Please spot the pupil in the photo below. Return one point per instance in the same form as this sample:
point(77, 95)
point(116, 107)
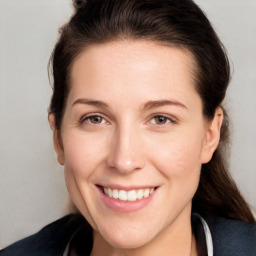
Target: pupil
point(96, 119)
point(160, 119)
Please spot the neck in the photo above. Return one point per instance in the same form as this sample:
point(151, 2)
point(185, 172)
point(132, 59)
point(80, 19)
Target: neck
point(177, 239)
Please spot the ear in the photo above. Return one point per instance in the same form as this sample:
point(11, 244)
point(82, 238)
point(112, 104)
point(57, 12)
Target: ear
point(56, 140)
point(212, 137)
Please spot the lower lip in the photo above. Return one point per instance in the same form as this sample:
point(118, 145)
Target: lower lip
point(125, 206)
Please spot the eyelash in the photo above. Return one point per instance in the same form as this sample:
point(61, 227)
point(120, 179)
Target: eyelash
point(87, 119)
point(168, 120)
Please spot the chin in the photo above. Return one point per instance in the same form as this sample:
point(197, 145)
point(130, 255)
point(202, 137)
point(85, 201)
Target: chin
point(128, 241)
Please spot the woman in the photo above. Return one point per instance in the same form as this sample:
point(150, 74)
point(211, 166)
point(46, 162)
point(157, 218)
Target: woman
point(139, 126)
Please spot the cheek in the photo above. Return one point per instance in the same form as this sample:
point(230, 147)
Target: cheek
point(76, 192)
point(178, 156)
point(181, 167)
point(82, 154)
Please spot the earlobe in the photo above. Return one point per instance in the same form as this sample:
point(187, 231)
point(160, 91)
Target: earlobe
point(212, 136)
point(57, 140)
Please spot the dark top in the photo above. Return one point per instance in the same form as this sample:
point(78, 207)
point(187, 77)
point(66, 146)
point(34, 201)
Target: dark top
point(230, 238)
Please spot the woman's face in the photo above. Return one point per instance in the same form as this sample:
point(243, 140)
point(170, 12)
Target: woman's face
point(133, 139)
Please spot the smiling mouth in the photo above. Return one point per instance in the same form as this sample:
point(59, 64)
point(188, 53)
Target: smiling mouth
point(130, 195)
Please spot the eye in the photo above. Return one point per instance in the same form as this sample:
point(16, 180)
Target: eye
point(93, 119)
point(161, 120)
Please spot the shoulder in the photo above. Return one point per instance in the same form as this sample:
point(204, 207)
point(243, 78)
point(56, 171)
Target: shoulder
point(232, 237)
point(51, 240)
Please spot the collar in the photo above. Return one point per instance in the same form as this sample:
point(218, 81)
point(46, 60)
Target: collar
point(207, 232)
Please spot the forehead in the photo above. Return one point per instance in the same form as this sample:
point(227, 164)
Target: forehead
point(126, 67)
point(135, 52)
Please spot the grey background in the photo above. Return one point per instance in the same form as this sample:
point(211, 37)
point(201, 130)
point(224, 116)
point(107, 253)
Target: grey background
point(32, 188)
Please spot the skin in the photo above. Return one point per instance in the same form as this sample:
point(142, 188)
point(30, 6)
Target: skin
point(128, 145)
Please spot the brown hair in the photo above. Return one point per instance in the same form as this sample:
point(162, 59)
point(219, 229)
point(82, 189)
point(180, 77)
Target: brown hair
point(179, 23)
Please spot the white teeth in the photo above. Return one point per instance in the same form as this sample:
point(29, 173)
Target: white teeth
point(140, 194)
point(122, 195)
point(146, 192)
point(110, 193)
point(131, 195)
point(115, 193)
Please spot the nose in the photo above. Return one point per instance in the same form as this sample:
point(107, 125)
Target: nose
point(126, 152)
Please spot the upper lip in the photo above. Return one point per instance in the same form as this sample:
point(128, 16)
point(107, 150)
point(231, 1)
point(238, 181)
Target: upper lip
point(126, 188)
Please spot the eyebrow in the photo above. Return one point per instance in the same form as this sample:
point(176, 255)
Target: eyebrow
point(95, 103)
point(159, 103)
point(147, 106)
